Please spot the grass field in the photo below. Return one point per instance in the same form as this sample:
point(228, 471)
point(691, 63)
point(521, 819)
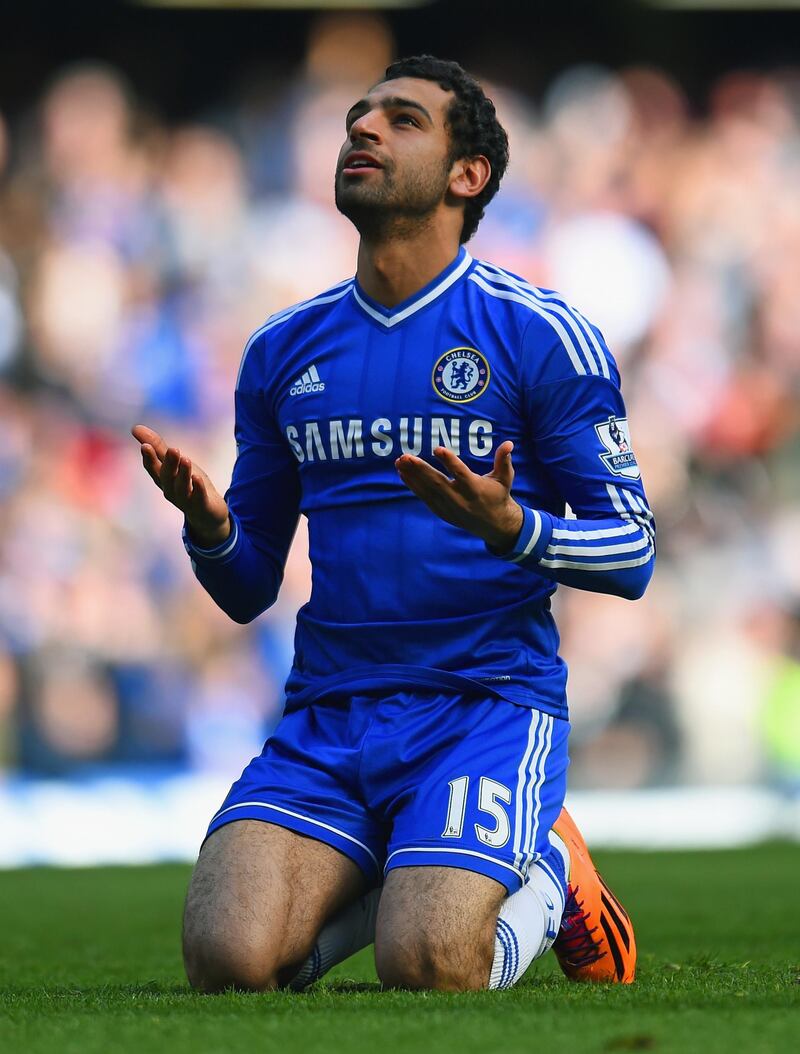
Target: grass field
point(89, 962)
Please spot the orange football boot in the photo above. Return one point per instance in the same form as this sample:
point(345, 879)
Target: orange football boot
point(595, 941)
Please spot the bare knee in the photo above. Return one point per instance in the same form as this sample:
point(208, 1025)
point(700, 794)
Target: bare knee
point(256, 902)
point(221, 951)
point(423, 963)
point(214, 962)
point(436, 929)
point(227, 943)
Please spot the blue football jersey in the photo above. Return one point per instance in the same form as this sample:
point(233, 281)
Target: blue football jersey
point(332, 390)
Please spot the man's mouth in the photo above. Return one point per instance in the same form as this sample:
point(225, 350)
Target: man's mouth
point(359, 161)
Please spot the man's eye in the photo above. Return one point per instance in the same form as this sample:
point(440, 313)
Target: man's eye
point(406, 117)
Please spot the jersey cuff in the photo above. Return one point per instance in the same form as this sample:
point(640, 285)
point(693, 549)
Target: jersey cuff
point(226, 549)
point(534, 537)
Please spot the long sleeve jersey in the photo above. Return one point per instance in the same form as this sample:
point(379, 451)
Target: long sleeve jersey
point(332, 390)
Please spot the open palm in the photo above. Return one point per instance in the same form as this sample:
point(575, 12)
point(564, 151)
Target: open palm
point(481, 504)
point(186, 485)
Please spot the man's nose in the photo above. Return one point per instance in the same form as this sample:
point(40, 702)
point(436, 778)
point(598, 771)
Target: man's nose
point(367, 126)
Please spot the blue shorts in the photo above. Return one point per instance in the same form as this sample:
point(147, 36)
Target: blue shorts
point(414, 779)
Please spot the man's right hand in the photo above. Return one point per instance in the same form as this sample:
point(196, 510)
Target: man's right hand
point(186, 486)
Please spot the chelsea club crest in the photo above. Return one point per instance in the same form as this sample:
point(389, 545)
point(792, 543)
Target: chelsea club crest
point(461, 375)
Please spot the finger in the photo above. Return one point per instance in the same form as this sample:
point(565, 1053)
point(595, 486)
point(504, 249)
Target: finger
point(183, 479)
point(199, 490)
point(420, 486)
point(456, 467)
point(172, 460)
point(169, 471)
point(420, 473)
point(153, 439)
point(436, 499)
point(503, 470)
point(151, 463)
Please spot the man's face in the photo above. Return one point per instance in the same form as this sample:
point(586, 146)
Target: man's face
point(395, 160)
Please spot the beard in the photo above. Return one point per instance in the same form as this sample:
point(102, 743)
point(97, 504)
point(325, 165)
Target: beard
point(389, 205)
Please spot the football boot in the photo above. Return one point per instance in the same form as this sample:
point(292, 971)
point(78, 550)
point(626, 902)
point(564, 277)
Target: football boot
point(595, 941)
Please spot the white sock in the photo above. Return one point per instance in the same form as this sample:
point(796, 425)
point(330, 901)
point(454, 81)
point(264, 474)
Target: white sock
point(526, 926)
point(346, 933)
point(561, 848)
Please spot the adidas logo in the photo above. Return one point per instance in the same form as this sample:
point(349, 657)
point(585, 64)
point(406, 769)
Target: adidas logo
point(309, 382)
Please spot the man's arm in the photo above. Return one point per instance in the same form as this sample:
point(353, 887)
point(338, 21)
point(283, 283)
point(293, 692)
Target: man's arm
point(238, 544)
point(583, 444)
point(610, 546)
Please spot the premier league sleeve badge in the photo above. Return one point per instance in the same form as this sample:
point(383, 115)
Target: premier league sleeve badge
point(619, 457)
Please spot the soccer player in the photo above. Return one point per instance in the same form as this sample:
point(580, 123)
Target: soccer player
point(419, 770)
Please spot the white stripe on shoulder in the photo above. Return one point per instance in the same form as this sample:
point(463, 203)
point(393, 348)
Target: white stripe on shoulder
point(554, 302)
point(527, 301)
point(602, 353)
point(293, 307)
point(327, 297)
point(336, 292)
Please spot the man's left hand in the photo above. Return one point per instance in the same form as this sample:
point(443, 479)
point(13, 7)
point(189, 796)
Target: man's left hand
point(481, 505)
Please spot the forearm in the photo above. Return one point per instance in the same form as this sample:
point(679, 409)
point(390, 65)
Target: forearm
point(241, 578)
point(611, 555)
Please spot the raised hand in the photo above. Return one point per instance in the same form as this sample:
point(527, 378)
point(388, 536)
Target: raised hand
point(186, 486)
point(481, 505)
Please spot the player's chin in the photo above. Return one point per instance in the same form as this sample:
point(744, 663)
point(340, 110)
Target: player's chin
point(352, 200)
point(354, 186)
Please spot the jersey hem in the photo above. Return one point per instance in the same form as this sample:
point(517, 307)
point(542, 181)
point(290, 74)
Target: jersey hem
point(376, 678)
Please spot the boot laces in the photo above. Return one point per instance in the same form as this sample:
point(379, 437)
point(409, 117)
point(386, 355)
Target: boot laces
point(575, 942)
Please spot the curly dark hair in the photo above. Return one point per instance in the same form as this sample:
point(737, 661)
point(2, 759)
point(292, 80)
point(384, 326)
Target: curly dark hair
point(471, 121)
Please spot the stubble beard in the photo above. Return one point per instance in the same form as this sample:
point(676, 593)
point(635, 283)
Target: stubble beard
point(385, 211)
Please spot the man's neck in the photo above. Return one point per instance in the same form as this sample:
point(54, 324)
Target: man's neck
point(392, 270)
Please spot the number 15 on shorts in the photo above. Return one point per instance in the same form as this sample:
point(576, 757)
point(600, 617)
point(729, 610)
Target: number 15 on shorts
point(492, 796)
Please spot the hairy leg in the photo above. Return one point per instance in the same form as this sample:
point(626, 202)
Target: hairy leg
point(436, 928)
point(257, 899)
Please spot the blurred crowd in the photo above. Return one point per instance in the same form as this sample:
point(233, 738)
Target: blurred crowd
point(135, 258)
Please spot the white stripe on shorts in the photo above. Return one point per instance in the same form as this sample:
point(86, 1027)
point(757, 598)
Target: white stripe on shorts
point(536, 716)
point(464, 852)
point(534, 794)
point(300, 816)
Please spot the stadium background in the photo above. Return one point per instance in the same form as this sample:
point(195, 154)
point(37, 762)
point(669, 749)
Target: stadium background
point(166, 183)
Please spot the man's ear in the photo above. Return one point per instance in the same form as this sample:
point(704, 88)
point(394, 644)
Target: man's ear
point(469, 176)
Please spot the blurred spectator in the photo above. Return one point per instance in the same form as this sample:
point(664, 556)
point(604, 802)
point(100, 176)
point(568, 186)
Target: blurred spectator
point(135, 258)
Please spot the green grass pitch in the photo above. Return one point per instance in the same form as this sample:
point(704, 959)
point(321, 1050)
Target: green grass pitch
point(89, 962)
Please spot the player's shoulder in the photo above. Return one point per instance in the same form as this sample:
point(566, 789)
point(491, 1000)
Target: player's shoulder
point(557, 341)
point(281, 327)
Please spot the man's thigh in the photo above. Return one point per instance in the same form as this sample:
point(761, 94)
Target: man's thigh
point(436, 928)
point(258, 897)
point(486, 793)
